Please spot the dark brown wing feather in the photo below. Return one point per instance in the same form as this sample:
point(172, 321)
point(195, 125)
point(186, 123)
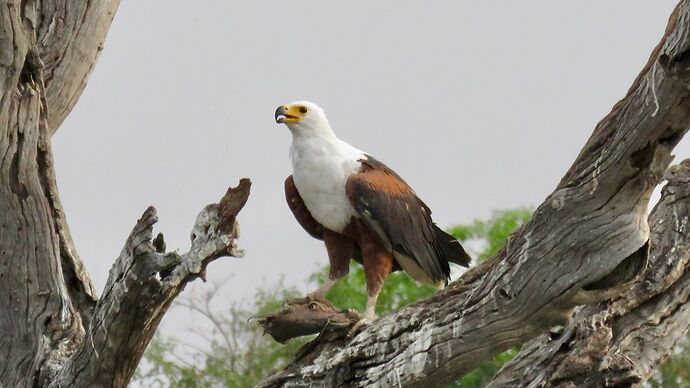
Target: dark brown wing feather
point(300, 211)
point(400, 220)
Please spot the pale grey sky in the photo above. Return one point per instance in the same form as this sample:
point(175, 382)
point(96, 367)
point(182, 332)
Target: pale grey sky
point(478, 105)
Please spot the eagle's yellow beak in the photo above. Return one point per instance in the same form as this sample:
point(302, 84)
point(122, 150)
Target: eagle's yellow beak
point(289, 114)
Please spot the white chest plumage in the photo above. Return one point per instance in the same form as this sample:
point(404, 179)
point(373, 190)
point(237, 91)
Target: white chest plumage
point(321, 167)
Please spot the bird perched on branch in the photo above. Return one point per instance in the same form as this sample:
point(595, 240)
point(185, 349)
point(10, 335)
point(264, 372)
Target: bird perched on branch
point(361, 209)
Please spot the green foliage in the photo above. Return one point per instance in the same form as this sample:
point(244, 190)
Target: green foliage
point(483, 374)
point(675, 372)
point(492, 233)
point(238, 355)
point(350, 292)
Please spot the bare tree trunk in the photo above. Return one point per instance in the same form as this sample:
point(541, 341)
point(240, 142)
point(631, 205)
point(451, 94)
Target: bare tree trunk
point(589, 242)
point(55, 331)
point(619, 343)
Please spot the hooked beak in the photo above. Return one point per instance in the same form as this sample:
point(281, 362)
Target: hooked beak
point(283, 115)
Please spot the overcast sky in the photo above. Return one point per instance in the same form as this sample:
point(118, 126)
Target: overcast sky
point(478, 105)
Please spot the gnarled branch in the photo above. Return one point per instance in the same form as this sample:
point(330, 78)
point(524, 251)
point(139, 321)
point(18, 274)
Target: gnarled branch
point(619, 343)
point(142, 284)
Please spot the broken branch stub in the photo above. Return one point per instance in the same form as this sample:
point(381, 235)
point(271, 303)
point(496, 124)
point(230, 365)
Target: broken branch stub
point(309, 316)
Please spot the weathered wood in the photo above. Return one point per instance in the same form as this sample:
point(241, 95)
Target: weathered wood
point(55, 331)
point(306, 316)
point(41, 284)
point(142, 284)
point(69, 38)
point(65, 43)
point(565, 255)
point(50, 294)
point(621, 342)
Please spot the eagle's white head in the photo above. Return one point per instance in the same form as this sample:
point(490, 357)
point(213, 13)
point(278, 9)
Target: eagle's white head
point(305, 119)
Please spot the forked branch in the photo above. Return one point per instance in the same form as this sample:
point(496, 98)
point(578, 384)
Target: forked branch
point(142, 284)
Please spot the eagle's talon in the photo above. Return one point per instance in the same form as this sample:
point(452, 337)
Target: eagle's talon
point(358, 326)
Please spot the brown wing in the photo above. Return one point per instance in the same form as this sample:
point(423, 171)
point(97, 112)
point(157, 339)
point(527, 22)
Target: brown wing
point(300, 211)
point(401, 221)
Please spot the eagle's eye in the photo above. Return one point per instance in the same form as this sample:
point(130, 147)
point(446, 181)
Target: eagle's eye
point(303, 109)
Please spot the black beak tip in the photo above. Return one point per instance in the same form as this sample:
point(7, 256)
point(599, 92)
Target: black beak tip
point(280, 114)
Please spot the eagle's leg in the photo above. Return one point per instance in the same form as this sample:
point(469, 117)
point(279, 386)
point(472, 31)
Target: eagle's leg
point(378, 264)
point(372, 298)
point(340, 250)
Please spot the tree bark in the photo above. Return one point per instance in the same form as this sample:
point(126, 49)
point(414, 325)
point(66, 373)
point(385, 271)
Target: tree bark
point(587, 243)
point(55, 330)
point(620, 342)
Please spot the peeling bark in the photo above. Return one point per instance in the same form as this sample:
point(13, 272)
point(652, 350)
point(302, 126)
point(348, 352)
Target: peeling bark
point(583, 245)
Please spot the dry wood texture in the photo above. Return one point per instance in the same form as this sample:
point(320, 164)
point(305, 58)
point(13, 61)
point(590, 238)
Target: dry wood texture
point(55, 330)
point(620, 342)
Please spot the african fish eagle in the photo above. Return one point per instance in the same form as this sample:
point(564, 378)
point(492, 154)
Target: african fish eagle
point(361, 209)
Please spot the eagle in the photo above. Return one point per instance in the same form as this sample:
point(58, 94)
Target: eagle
point(361, 209)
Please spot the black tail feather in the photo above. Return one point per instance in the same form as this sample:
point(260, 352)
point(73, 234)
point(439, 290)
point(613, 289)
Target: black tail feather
point(452, 250)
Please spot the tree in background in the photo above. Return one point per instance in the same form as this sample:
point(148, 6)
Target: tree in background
point(675, 372)
point(236, 354)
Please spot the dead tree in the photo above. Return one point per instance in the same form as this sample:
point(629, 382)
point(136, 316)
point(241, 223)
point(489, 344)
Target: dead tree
point(55, 330)
point(597, 298)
